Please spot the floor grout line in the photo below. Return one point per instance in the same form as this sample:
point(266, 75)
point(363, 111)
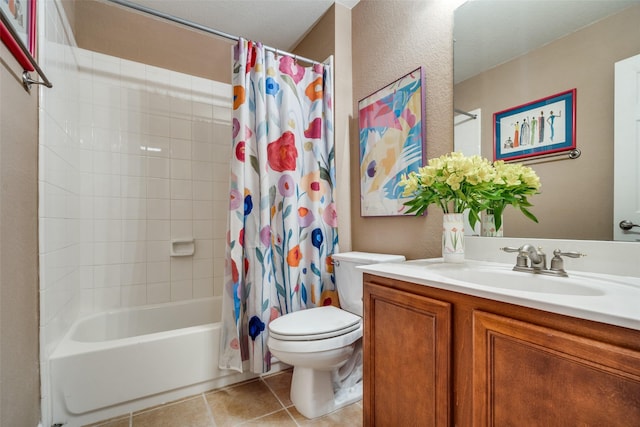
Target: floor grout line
point(209, 411)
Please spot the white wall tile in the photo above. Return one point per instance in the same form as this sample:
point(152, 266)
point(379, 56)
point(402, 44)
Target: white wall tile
point(158, 125)
point(133, 295)
point(203, 249)
point(133, 186)
point(202, 210)
point(203, 268)
point(158, 250)
point(107, 230)
point(204, 229)
point(158, 146)
point(182, 229)
point(107, 253)
point(181, 189)
point(133, 143)
point(159, 271)
point(202, 131)
point(106, 275)
point(107, 207)
point(134, 230)
point(106, 117)
point(180, 129)
point(181, 169)
point(202, 110)
point(158, 230)
point(159, 292)
point(202, 190)
point(106, 298)
point(158, 188)
point(133, 165)
point(203, 151)
point(181, 149)
point(202, 171)
point(181, 268)
point(158, 167)
point(134, 252)
point(181, 290)
point(182, 107)
point(134, 208)
point(158, 209)
point(203, 288)
point(106, 185)
point(182, 210)
point(133, 274)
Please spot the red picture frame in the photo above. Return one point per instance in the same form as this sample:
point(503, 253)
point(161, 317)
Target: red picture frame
point(14, 22)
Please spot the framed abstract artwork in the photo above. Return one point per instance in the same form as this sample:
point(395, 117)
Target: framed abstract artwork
point(538, 128)
point(392, 142)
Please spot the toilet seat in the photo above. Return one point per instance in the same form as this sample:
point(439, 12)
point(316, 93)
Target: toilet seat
point(314, 324)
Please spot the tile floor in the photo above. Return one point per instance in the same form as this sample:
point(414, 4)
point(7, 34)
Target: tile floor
point(261, 402)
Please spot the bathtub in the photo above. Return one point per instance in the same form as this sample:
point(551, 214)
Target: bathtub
point(124, 360)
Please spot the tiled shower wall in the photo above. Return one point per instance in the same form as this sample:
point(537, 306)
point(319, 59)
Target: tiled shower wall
point(154, 150)
point(131, 156)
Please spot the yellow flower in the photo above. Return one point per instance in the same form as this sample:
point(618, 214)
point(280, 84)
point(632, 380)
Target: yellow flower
point(456, 182)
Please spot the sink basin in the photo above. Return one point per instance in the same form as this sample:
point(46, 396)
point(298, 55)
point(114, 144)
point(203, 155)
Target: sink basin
point(506, 278)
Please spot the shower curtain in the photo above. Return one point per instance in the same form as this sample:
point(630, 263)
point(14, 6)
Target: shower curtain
point(282, 217)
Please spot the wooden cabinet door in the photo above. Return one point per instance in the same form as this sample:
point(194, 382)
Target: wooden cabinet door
point(525, 374)
point(407, 357)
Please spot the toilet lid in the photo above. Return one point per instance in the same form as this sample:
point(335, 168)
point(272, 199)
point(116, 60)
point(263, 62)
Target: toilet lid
point(314, 324)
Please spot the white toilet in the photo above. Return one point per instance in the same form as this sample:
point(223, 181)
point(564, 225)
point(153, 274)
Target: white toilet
point(324, 344)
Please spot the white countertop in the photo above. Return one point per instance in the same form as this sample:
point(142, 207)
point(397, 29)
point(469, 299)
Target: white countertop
point(607, 298)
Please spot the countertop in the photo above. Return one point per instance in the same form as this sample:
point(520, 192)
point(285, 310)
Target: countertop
point(607, 298)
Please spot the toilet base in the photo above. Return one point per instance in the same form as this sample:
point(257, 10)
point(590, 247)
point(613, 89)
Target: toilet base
point(315, 393)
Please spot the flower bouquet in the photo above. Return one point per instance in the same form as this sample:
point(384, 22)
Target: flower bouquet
point(453, 182)
point(456, 183)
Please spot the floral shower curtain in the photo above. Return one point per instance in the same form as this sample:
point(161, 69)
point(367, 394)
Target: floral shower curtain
point(282, 218)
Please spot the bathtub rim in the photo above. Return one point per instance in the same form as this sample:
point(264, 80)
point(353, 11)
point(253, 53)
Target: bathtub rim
point(69, 346)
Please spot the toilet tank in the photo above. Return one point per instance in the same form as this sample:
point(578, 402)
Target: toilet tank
point(349, 278)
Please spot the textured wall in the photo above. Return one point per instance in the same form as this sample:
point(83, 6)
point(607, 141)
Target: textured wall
point(391, 38)
point(119, 32)
point(332, 36)
point(583, 60)
point(19, 381)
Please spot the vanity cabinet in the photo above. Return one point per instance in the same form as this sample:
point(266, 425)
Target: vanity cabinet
point(433, 357)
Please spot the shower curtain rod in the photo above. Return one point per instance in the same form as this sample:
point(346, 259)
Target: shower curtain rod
point(473, 116)
point(199, 27)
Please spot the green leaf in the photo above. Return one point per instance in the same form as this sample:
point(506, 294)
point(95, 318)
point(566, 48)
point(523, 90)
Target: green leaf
point(528, 214)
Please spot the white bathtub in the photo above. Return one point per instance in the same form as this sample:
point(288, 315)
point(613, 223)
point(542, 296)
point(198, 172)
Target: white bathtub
point(124, 360)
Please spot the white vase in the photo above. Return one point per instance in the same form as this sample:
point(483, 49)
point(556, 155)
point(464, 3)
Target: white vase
point(453, 238)
point(489, 226)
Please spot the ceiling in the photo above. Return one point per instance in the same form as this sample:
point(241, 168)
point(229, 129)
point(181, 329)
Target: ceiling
point(488, 33)
point(279, 24)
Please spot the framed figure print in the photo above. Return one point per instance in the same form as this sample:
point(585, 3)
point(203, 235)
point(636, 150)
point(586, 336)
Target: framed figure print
point(540, 127)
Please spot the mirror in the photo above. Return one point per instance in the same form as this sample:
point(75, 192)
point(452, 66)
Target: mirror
point(510, 53)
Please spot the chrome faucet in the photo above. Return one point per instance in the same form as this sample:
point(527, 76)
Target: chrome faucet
point(539, 260)
point(529, 252)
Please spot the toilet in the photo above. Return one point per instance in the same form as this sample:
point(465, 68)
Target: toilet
point(324, 344)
